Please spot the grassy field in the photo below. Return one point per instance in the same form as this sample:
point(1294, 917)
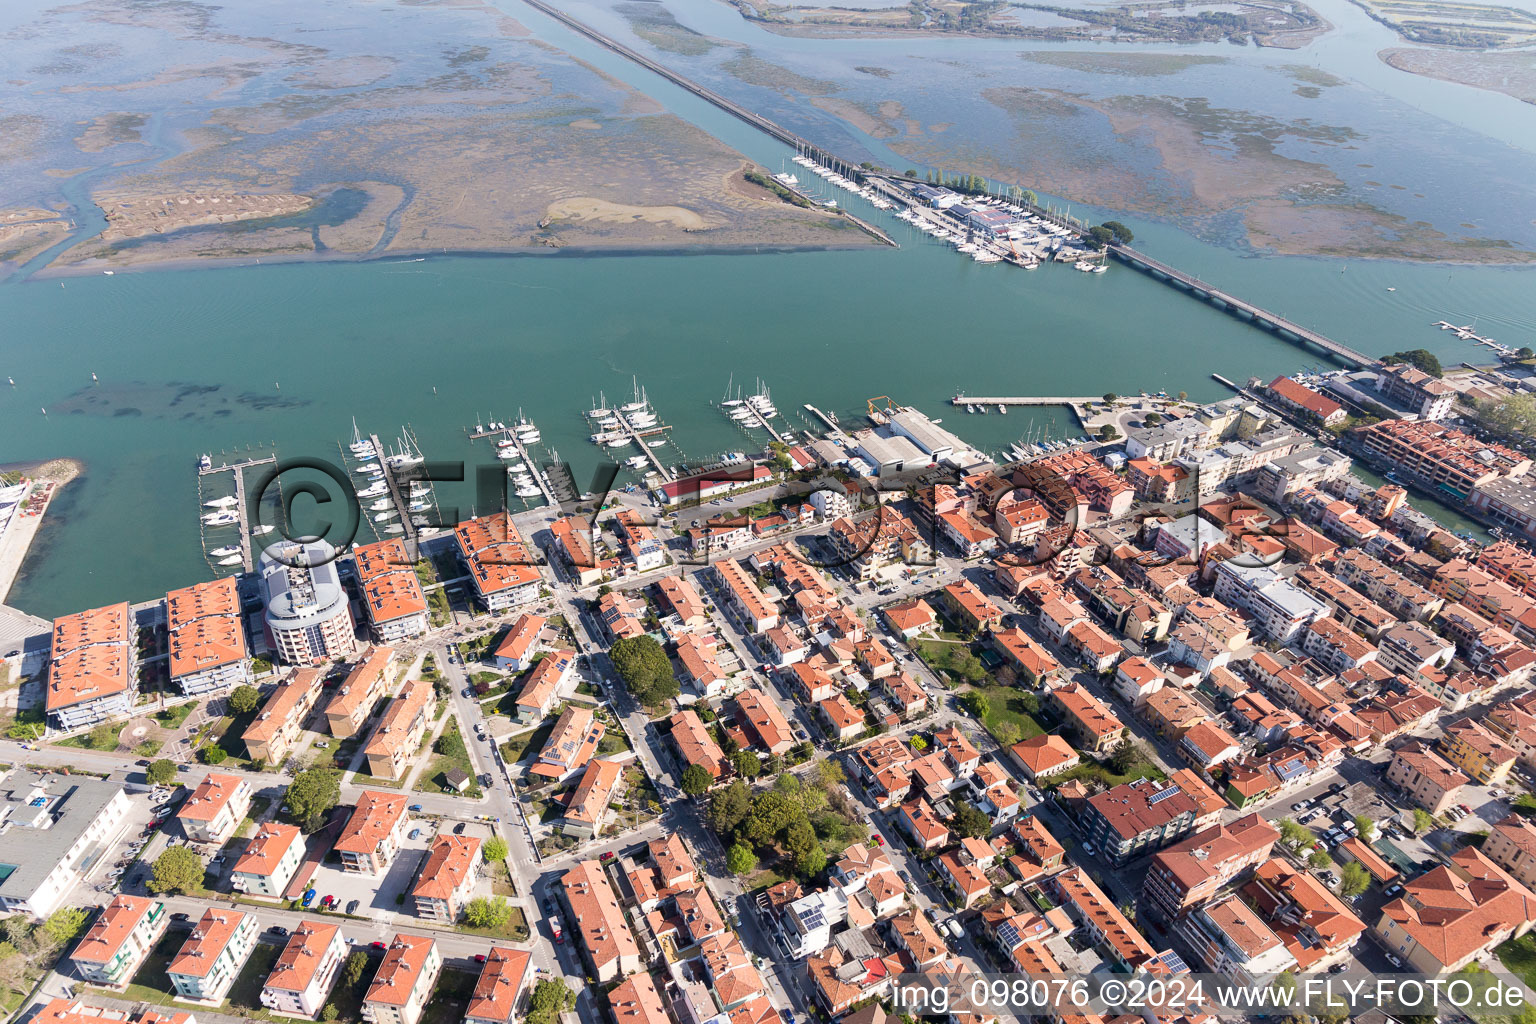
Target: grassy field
point(96, 739)
point(1519, 955)
point(172, 718)
point(451, 754)
point(1007, 705)
point(516, 928)
point(1090, 771)
point(515, 748)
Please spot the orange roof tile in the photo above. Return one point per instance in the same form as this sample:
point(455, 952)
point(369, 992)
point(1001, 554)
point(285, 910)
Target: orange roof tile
point(499, 985)
point(448, 864)
point(398, 974)
point(208, 939)
point(374, 817)
point(302, 956)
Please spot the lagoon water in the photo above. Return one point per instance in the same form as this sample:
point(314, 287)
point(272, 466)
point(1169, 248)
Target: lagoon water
point(218, 358)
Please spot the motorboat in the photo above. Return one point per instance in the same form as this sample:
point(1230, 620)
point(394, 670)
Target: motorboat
point(531, 437)
point(517, 468)
point(419, 520)
point(656, 443)
point(225, 518)
point(636, 462)
point(232, 560)
point(527, 492)
point(204, 461)
point(418, 506)
point(427, 531)
point(373, 490)
point(394, 528)
point(225, 502)
point(382, 516)
point(508, 454)
point(506, 443)
point(618, 442)
point(225, 551)
point(262, 530)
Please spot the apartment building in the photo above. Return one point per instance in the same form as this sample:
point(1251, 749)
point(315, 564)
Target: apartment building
point(271, 735)
point(207, 964)
point(518, 647)
point(1439, 457)
point(501, 566)
point(679, 594)
point(373, 833)
point(305, 970)
point(119, 940)
point(93, 673)
point(1308, 403)
point(1386, 586)
point(588, 804)
point(308, 614)
point(1138, 816)
point(1315, 925)
point(206, 640)
point(571, 744)
point(1230, 938)
point(1428, 779)
point(607, 945)
point(764, 722)
point(1413, 389)
point(972, 609)
point(694, 743)
point(396, 738)
point(73, 1011)
point(497, 998)
point(1335, 647)
point(1511, 565)
point(1092, 724)
point(359, 692)
point(743, 597)
point(1099, 919)
point(404, 980)
point(1413, 649)
point(215, 808)
point(1455, 913)
point(1280, 610)
point(1510, 503)
point(269, 861)
point(54, 827)
point(1471, 747)
point(640, 543)
point(393, 599)
point(542, 688)
point(1193, 870)
point(446, 881)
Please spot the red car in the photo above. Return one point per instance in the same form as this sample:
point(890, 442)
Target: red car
point(607, 856)
point(378, 945)
point(479, 958)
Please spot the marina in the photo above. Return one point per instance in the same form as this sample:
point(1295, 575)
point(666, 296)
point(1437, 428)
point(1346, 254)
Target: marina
point(230, 511)
point(1468, 332)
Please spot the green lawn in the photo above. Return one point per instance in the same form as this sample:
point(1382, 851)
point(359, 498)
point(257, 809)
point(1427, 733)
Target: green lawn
point(172, 718)
point(1519, 955)
point(88, 740)
point(514, 748)
point(1090, 771)
point(452, 754)
point(1006, 704)
point(450, 998)
point(516, 928)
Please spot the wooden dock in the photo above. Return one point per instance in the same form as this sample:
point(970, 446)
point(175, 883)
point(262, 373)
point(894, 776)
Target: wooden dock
point(247, 555)
point(402, 503)
point(964, 400)
point(639, 439)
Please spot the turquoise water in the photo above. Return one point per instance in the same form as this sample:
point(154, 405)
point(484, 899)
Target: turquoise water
point(216, 359)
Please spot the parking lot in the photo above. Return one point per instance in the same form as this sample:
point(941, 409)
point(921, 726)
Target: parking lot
point(380, 897)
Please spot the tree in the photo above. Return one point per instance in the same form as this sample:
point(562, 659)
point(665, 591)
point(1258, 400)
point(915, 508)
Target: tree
point(1110, 398)
point(1319, 859)
point(1125, 758)
point(1153, 418)
point(178, 869)
point(1108, 432)
point(1120, 231)
point(810, 863)
point(696, 779)
point(729, 807)
point(357, 963)
point(244, 698)
point(1293, 835)
point(103, 737)
point(64, 925)
point(1101, 236)
point(213, 754)
point(747, 764)
point(1354, 880)
point(970, 821)
point(160, 772)
point(1183, 396)
point(1007, 733)
point(495, 849)
point(773, 764)
point(829, 773)
point(487, 911)
point(1422, 821)
point(976, 703)
point(740, 860)
point(330, 1012)
point(1419, 358)
point(1029, 703)
point(550, 999)
point(645, 669)
point(312, 795)
point(1365, 826)
point(1524, 352)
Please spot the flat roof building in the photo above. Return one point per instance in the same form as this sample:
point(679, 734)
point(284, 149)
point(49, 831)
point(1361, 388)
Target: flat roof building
point(308, 615)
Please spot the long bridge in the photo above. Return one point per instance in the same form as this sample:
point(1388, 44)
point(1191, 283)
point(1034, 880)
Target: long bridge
point(1259, 316)
point(1256, 315)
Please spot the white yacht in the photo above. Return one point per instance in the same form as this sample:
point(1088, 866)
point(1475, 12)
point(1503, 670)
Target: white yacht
point(656, 443)
point(618, 442)
point(636, 462)
point(394, 528)
point(509, 454)
point(528, 437)
point(225, 551)
point(225, 518)
point(528, 491)
point(373, 490)
point(382, 516)
point(225, 502)
point(231, 560)
point(262, 530)
point(516, 468)
point(427, 531)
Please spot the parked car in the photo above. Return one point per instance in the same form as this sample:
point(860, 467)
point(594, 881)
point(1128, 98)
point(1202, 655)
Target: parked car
point(1393, 891)
point(415, 807)
point(181, 917)
point(1394, 961)
point(458, 829)
point(377, 945)
point(277, 929)
point(308, 898)
point(415, 834)
point(352, 907)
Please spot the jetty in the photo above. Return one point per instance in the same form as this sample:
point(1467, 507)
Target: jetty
point(963, 400)
point(638, 437)
point(247, 558)
point(402, 506)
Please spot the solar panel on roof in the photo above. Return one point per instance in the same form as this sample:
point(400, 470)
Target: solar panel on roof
point(1161, 795)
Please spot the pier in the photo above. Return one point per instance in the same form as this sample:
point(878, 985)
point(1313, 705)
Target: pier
point(247, 558)
point(402, 506)
point(638, 437)
point(963, 400)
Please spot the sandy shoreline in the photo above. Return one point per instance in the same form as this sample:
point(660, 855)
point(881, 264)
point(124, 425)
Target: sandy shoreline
point(17, 540)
